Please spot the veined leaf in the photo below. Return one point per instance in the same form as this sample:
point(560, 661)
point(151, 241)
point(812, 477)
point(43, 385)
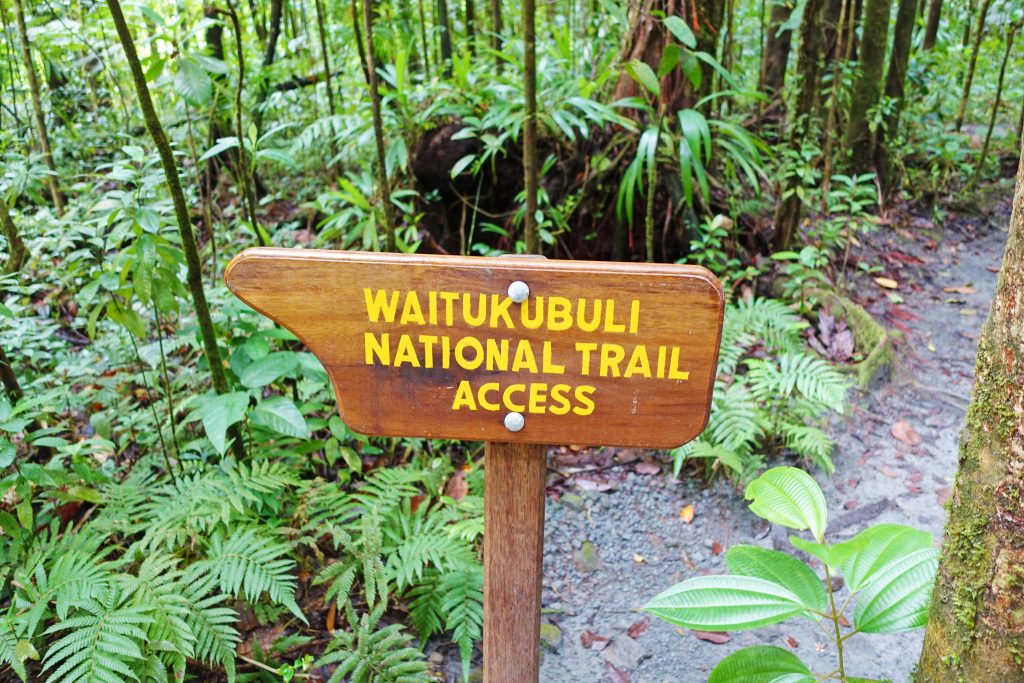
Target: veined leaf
point(644, 75)
point(780, 568)
point(790, 497)
point(898, 598)
point(725, 603)
point(761, 664)
point(682, 32)
point(882, 546)
point(219, 412)
point(281, 415)
point(267, 369)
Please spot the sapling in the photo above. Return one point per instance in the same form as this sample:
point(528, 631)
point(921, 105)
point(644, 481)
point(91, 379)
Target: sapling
point(888, 569)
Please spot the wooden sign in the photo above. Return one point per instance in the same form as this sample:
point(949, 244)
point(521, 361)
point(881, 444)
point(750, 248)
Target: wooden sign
point(500, 349)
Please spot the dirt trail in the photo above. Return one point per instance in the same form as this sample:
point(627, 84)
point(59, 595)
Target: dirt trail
point(594, 578)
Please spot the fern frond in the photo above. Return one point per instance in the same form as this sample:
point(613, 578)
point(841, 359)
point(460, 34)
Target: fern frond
point(809, 442)
point(9, 654)
point(425, 606)
point(367, 654)
point(75, 573)
point(103, 642)
point(735, 423)
point(463, 604)
point(250, 563)
point(813, 377)
point(212, 624)
point(437, 549)
point(158, 586)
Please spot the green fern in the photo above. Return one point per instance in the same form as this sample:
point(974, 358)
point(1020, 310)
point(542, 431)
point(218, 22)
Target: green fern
point(368, 654)
point(809, 442)
point(813, 377)
point(463, 604)
point(9, 646)
point(213, 626)
point(104, 642)
point(249, 564)
point(158, 587)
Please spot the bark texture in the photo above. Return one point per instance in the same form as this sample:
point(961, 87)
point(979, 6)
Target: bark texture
point(931, 26)
point(378, 129)
point(530, 167)
point(979, 34)
point(808, 66)
point(868, 85)
point(17, 254)
point(895, 81)
point(976, 626)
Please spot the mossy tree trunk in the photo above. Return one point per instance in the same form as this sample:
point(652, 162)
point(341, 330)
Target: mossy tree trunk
point(373, 84)
point(867, 87)
point(37, 110)
point(496, 27)
point(17, 254)
point(531, 169)
point(976, 626)
point(776, 54)
point(931, 25)
point(790, 207)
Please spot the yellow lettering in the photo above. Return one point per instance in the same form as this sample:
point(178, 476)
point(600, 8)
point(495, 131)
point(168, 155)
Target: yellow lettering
point(432, 306)
point(634, 316)
point(464, 397)
point(550, 367)
point(449, 299)
point(585, 348)
point(482, 396)
point(581, 315)
point(377, 303)
point(405, 352)
point(524, 358)
point(428, 341)
point(661, 362)
point(411, 311)
point(497, 355)
point(460, 353)
point(499, 309)
point(506, 397)
point(559, 314)
point(532, 323)
point(674, 372)
point(609, 319)
point(446, 352)
point(379, 348)
point(583, 394)
point(467, 312)
point(639, 363)
point(611, 356)
point(558, 395)
point(538, 398)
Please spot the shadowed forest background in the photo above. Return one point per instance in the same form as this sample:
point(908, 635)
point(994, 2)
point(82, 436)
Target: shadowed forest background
point(179, 498)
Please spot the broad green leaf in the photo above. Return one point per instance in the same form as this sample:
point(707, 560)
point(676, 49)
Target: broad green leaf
point(790, 497)
point(725, 603)
point(682, 32)
point(898, 598)
point(193, 82)
point(7, 452)
point(881, 546)
point(223, 144)
point(832, 555)
point(761, 664)
point(5, 312)
point(218, 412)
point(780, 568)
point(281, 415)
point(644, 75)
point(265, 370)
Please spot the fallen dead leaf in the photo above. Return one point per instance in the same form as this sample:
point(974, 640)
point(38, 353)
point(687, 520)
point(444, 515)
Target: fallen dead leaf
point(902, 431)
point(792, 642)
point(844, 622)
point(942, 494)
point(457, 487)
point(993, 269)
point(892, 474)
point(639, 627)
point(713, 637)
point(638, 558)
point(686, 514)
point(887, 282)
point(716, 548)
point(962, 289)
point(598, 484)
point(592, 641)
point(331, 614)
point(968, 311)
point(850, 504)
point(647, 467)
point(616, 674)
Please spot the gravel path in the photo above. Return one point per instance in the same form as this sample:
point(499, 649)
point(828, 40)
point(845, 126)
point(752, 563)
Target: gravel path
point(608, 552)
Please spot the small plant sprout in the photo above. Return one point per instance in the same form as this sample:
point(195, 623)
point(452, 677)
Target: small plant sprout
point(888, 571)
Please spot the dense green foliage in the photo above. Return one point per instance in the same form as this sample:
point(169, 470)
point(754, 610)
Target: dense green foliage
point(173, 474)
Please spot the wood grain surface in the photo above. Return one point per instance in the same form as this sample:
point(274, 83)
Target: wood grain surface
point(615, 354)
point(514, 476)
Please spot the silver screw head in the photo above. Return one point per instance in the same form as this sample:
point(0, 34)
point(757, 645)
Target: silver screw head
point(514, 422)
point(519, 291)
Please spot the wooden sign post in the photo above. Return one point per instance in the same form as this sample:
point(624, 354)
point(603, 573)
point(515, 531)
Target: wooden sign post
point(518, 353)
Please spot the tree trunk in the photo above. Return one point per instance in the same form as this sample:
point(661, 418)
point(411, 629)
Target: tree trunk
point(471, 26)
point(530, 168)
point(1011, 33)
point(445, 24)
point(496, 26)
point(378, 129)
point(868, 85)
point(776, 50)
point(979, 34)
point(790, 206)
point(276, 13)
point(975, 627)
point(11, 73)
point(9, 379)
point(17, 254)
point(931, 26)
point(895, 80)
point(37, 110)
point(194, 277)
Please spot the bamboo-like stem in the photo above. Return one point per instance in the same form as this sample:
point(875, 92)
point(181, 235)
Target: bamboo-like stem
point(979, 34)
point(530, 170)
point(378, 129)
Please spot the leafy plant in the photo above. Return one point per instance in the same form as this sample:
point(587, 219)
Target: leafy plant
point(888, 570)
